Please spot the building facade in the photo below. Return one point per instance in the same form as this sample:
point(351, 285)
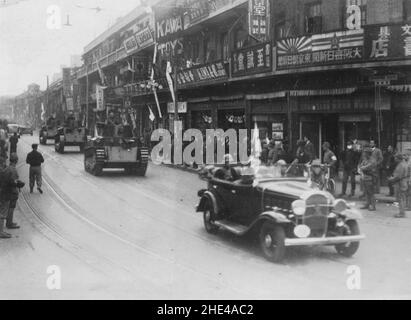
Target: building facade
point(333, 70)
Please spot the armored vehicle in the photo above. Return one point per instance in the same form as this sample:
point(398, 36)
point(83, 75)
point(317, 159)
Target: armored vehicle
point(71, 134)
point(115, 147)
point(48, 131)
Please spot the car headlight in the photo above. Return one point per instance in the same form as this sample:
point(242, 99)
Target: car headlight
point(299, 207)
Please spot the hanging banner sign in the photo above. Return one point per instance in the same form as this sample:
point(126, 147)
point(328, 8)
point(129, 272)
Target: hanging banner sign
point(321, 49)
point(100, 98)
point(257, 59)
point(388, 42)
point(210, 71)
point(144, 38)
point(259, 18)
point(139, 40)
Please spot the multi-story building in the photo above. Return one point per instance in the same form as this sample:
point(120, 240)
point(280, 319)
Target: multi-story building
point(332, 70)
point(120, 62)
point(27, 106)
point(62, 97)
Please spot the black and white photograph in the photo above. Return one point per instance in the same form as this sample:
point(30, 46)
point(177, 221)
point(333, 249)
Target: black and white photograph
point(207, 150)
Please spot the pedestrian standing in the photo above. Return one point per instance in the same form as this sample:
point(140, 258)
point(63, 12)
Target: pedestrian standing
point(350, 159)
point(12, 191)
point(378, 157)
point(35, 160)
point(330, 159)
point(400, 181)
point(3, 149)
point(309, 148)
point(13, 141)
point(389, 166)
point(368, 171)
point(6, 183)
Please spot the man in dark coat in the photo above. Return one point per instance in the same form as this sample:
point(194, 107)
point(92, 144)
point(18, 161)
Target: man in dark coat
point(389, 165)
point(350, 159)
point(368, 171)
point(400, 181)
point(378, 158)
point(13, 141)
point(35, 160)
point(309, 149)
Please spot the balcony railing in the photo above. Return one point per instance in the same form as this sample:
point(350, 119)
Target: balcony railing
point(104, 62)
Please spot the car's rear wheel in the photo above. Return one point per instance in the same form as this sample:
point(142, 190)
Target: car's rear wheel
point(208, 217)
point(272, 241)
point(350, 248)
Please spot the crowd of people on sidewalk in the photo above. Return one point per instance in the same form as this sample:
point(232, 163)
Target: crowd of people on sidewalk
point(357, 159)
point(10, 184)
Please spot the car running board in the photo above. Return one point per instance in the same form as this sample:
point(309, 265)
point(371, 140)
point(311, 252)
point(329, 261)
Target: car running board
point(237, 229)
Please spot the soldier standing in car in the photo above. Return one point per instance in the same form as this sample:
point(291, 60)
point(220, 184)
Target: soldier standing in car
point(368, 171)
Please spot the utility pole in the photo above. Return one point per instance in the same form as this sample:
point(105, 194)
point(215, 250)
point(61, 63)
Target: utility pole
point(47, 98)
point(87, 102)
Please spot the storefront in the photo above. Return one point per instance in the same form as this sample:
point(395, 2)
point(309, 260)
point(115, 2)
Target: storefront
point(269, 113)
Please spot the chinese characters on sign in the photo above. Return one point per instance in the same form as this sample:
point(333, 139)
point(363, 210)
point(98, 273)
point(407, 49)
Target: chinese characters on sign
point(196, 11)
point(332, 48)
point(259, 18)
point(252, 60)
point(388, 42)
point(139, 40)
point(100, 98)
point(212, 71)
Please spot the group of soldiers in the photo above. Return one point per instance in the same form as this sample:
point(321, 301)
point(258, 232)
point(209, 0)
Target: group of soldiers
point(10, 184)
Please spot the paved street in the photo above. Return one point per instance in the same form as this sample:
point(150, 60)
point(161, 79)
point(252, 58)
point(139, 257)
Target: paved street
point(117, 236)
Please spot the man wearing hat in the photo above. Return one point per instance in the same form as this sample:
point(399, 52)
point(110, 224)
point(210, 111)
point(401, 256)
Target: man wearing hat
point(350, 159)
point(368, 171)
point(35, 160)
point(12, 190)
point(400, 181)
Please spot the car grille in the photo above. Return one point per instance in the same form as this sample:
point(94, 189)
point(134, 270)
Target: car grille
point(316, 215)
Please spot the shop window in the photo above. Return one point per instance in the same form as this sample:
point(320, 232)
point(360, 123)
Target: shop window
point(313, 18)
point(240, 38)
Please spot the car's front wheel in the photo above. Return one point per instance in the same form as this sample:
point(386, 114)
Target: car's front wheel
point(208, 217)
point(272, 241)
point(350, 248)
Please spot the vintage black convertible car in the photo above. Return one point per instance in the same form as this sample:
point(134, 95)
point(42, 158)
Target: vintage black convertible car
point(280, 207)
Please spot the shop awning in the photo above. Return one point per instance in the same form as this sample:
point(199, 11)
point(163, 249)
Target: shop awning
point(302, 93)
point(323, 92)
point(400, 88)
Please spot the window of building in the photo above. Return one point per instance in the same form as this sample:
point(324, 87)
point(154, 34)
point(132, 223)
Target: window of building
point(362, 4)
point(313, 18)
point(224, 46)
point(240, 38)
point(280, 27)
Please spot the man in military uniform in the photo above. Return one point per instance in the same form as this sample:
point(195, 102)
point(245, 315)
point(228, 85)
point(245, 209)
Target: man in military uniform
point(330, 159)
point(368, 170)
point(378, 158)
point(12, 190)
point(400, 181)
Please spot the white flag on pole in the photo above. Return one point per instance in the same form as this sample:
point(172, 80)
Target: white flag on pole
point(151, 116)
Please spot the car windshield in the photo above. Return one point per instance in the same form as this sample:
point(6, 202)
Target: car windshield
point(262, 172)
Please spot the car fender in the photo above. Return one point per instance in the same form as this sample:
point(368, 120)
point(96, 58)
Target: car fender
point(352, 214)
point(278, 217)
point(208, 196)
